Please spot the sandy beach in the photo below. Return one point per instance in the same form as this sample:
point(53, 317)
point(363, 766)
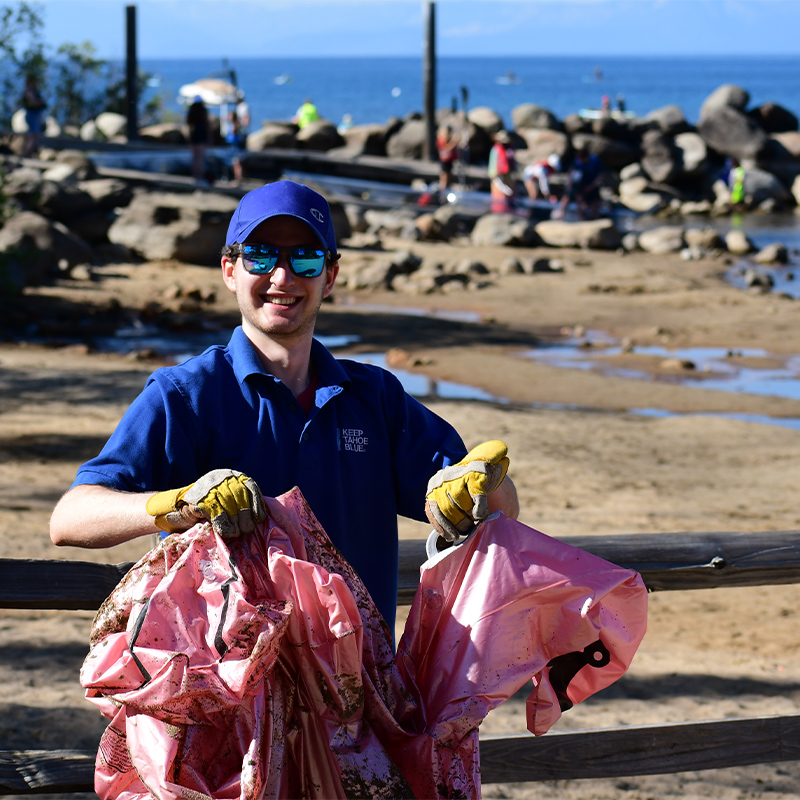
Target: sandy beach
point(583, 462)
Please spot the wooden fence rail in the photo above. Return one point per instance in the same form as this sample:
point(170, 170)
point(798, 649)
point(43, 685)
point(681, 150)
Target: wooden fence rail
point(667, 562)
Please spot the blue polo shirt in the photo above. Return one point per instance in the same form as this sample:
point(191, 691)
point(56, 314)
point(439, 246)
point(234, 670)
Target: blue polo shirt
point(362, 456)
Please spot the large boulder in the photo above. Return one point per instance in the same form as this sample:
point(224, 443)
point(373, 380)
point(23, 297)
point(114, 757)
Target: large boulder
point(272, 135)
point(163, 132)
point(529, 115)
point(596, 234)
point(725, 96)
point(664, 239)
point(161, 225)
point(36, 248)
point(661, 159)
point(669, 120)
point(320, 135)
point(774, 118)
point(542, 142)
point(485, 118)
point(504, 230)
point(638, 194)
point(366, 140)
point(693, 153)
point(732, 133)
point(760, 185)
point(111, 124)
point(408, 141)
point(613, 154)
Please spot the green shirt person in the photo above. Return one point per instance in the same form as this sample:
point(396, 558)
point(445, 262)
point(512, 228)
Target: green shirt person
point(306, 113)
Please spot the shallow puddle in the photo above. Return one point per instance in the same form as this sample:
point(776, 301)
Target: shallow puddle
point(747, 371)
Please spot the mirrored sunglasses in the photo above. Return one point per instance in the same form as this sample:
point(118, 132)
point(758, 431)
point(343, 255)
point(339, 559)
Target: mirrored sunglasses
point(261, 259)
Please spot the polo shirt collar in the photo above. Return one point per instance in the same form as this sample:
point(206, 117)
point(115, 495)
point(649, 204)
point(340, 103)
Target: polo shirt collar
point(245, 361)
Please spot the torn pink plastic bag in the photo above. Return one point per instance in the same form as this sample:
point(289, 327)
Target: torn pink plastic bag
point(259, 667)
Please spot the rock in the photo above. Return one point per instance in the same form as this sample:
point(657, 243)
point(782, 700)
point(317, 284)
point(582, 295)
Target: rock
point(707, 238)
point(455, 221)
point(772, 254)
point(23, 184)
point(35, 245)
point(189, 228)
point(774, 118)
point(760, 186)
point(510, 266)
point(486, 119)
point(754, 279)
point(163, 132)
point(597, 234)
point(661, 160)
point(542, 143)
point(677, 364)
point(639, 195)
point(613, 154)
point(390, 223)
point(90, 133)
point(669, 120)
point(62, 201)
point(272, 135)
point(366, 140)
point(107, 193)
point(529, 115)
point(320, 135)
point(732, 133)
point(82, 165)
point(504, 230)
point(408, 142)
point(737, 242)
point(111, 124)
point(693, 154)
point(725, 96)
point(664, 239)
point(789, 142)
point(630, 242)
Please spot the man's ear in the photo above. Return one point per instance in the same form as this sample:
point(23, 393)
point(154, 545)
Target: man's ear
point(331, 271)
point(229, 272)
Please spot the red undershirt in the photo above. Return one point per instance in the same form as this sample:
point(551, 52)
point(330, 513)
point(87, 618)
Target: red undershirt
point(307, 396)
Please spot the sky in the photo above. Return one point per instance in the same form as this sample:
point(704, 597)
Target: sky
point(260, 28)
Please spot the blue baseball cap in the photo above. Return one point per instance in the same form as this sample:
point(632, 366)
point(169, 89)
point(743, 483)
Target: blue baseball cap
point(282, 198)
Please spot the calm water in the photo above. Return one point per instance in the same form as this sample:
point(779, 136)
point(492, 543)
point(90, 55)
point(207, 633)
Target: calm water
point(375, 89)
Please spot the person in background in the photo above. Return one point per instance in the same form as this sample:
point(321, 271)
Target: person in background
point(243, 115)
point(583, 187)
point(34, 105)
point(273, 409)
point(199, 136)
point(305, 114)
point(345, 124)
point(735, 182)
point(605, 106)
point(447, 149)
point(235, 141)
point(536, 178)
point(502, 173)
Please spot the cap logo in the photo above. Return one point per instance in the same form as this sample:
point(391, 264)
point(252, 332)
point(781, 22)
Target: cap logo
point(318, 216)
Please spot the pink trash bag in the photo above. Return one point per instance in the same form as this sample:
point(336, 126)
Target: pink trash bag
point(259, 667)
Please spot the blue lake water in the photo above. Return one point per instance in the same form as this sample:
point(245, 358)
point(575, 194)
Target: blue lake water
point(376, 89)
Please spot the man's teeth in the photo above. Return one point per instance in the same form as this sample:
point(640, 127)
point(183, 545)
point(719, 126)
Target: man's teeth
point(282, 301)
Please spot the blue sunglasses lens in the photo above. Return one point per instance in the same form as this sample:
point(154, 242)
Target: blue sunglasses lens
point(305, 262)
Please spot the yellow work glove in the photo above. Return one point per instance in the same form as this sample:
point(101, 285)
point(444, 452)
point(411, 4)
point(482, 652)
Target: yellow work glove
point(228, 499)
point(457, 497)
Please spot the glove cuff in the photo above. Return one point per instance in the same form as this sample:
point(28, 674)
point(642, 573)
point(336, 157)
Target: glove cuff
point(163, 505)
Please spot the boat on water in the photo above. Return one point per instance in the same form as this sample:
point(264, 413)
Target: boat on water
point(218, 91)
point(508, 79)
point(599, 113)
point(282, 79)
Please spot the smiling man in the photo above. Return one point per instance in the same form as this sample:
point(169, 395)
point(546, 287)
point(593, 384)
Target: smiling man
point(273, 409)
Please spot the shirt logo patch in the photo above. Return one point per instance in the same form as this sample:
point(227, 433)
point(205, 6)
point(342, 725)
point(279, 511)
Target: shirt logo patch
point(353, 439)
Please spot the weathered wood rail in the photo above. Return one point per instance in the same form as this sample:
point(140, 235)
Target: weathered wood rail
point(667, 562)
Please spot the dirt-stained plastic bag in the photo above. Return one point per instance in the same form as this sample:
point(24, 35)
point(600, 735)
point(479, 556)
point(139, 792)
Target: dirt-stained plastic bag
point(259, 667)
